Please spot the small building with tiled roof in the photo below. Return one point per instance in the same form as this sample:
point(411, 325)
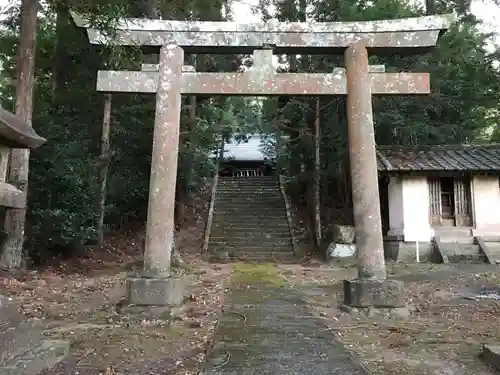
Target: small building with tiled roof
point(428, 191)
point(450, 159)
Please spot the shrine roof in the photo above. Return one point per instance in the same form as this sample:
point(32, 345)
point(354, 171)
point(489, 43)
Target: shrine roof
point(16, 133)
point(452, 158)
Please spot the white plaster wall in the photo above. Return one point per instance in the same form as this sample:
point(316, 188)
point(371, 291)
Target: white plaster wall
point(486, 205)
point(416, 209)
point(396, 211)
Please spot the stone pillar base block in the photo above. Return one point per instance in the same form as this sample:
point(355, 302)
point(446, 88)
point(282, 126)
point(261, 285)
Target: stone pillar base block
point(142, 291)
point(374, 293)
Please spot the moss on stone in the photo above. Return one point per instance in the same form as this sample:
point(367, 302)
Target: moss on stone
point(261, 273)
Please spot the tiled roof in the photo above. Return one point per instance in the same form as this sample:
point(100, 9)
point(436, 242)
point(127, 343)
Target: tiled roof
point(474, 158)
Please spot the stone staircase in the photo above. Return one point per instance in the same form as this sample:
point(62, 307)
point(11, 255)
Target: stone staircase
point(249, 220)
point(459, 245)
point(23, 349)
point(461, 250)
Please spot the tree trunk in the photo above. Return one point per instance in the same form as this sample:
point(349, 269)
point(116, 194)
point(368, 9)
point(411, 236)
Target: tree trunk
point(430, 7)
point(60, 60)
point(317, 176)
point(103, 167)
point(15, 219)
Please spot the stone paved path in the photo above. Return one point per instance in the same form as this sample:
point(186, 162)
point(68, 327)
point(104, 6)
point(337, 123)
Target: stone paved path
point(267, 329)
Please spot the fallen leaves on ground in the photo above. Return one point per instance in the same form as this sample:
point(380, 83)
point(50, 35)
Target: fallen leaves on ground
point(444, 333)
point(78, 300)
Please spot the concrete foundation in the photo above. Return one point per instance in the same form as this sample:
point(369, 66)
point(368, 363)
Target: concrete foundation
point(396, 249)
point(383, 293)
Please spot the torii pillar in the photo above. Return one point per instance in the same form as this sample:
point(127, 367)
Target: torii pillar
point(155, 287)
point(371, 288)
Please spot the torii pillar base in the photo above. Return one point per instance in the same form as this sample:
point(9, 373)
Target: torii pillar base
point(364, 293)
point(144, 291)
point(154, 299)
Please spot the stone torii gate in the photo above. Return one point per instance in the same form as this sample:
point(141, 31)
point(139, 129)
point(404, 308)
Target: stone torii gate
point(170, 79)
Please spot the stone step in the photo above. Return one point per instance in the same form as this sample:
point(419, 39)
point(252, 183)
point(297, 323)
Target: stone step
point(221, 238)
point(250, 222)
point(248, 182)
point(241, 220)
point(237, 243)
point(456, 248)
point(259, 181)
point(248, 198)
point(467, 258)
point(246, 195)
point(271, 257)
point(237, 202)
point(463, 253)
point(18, 333)
point(263, 184)
point(269, 177)
point(244, 214)
point(255, 208)
point(453, 231)
point(250, 226)
point(250, 211)
point(250, 219)
point(463, 240)
point(249, 234)
point(492, 238)
point(253, 248)
point(254, 231)
point(261, 257)
point(254, 186)
point(44, 356)
point(494, 251)
point(227, 228)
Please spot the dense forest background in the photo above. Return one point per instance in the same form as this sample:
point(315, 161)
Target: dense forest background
point(64, 174)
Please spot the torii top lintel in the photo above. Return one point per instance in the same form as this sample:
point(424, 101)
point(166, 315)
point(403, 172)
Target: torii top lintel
point(396, 35)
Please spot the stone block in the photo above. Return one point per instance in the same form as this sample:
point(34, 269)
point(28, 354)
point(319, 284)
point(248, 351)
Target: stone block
point(344, 234)
point(374, 293)
point(340, 250)
point(142, 291)
point(491, 355)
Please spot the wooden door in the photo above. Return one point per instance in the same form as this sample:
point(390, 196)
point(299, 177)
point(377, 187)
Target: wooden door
point(435, 202)
point(461, 192)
